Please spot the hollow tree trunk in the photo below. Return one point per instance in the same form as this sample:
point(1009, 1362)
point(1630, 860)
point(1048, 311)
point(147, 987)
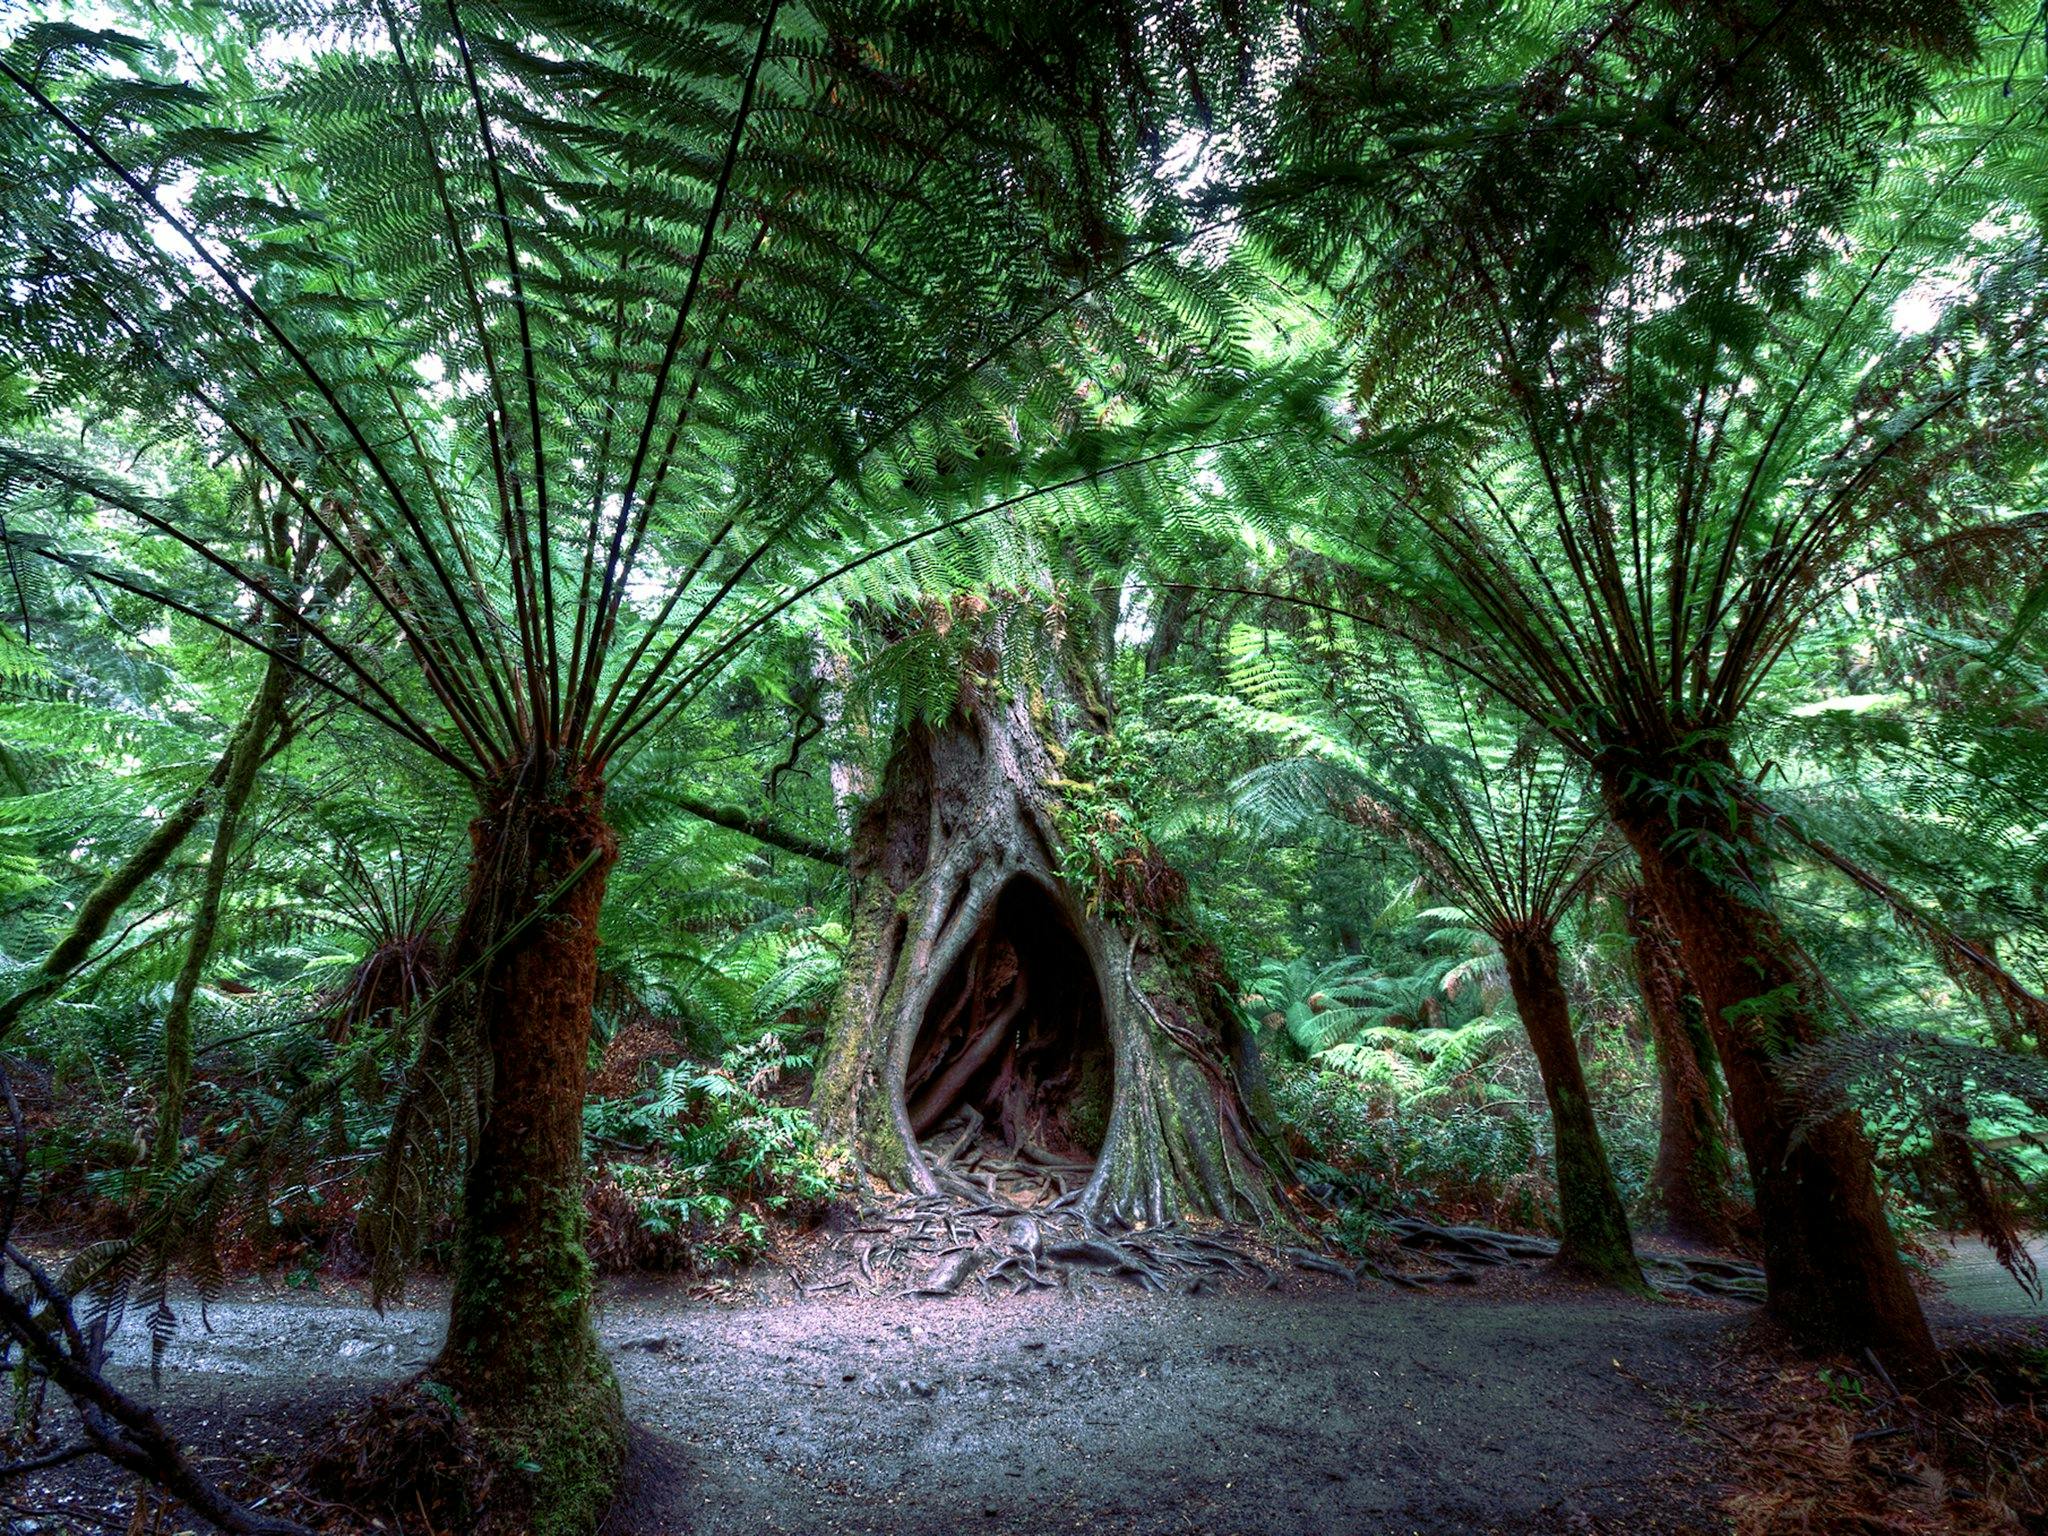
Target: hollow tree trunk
point(972, 958)
point(246, 754)
point(1595, 1239)
point(1831, 1266)
point(1692, 1176)
point(520, 1352)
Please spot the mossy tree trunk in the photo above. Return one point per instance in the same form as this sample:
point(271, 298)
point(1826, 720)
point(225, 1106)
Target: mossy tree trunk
point(96, 913)
point(1595, 1237)
point(251, 744)
point(521, 1353)
point(1693, 1174)
point(264, 729)
point(978, 975)
point(1831, 1265)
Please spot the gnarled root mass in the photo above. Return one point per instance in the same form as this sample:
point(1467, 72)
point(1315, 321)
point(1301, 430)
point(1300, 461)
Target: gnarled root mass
point(934, 1245)
point(1092, 1041)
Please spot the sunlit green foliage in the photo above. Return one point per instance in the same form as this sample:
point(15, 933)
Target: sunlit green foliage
point(1498, 390)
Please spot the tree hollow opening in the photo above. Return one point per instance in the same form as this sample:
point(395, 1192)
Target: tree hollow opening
point(1012, 1060)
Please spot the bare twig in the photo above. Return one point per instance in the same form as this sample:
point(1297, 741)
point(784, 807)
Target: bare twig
point(41, 1319)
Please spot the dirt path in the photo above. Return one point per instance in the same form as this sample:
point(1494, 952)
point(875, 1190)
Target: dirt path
point(1498, 1409)
point(1249, 1413)
point(1976, 1282)
point(1519, 1405)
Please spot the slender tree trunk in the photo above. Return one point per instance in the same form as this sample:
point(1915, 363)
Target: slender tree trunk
point(1693, 1174)
point(1173, 608)
point(245, 755)
point(1595, 1240)
point(979, 975)
point(97, 912)
point(1831, 1265)
point(521, 1353)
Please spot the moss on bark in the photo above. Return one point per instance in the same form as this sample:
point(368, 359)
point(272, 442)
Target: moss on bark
point(521, 1355)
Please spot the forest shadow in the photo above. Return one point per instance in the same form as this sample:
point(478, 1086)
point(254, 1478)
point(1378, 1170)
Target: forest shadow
point(1010, 1078)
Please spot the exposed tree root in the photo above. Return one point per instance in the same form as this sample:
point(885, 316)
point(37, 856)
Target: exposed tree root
point(975, 1167)
point(932, 1245)
point(1015, 1221)
point(1458, 1249)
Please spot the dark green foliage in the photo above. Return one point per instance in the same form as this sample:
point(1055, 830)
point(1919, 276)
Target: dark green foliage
point(1411, 434)
point(704, 1158)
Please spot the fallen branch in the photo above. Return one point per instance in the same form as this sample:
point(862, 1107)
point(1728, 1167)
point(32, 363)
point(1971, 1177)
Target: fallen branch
point(40, 1319)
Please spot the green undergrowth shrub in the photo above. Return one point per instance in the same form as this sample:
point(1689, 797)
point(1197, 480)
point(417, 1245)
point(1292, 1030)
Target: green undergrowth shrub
point(693, 1169)
point(1621, 1076)
point(1450, 1124)
point(1459, 1163)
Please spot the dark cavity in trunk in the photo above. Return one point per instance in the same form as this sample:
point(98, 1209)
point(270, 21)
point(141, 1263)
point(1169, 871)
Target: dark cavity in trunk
point(1014, 1039)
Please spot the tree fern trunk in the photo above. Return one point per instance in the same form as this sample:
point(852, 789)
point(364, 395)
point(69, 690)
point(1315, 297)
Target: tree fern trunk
point(1693, 1174)
point(1831, 1265)
point(1595, 1240)
point(521, 1353)
point(974, 965)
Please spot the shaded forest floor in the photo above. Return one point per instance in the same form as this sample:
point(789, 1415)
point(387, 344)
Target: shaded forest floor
point(1520, 1404)
point(1248, 1412)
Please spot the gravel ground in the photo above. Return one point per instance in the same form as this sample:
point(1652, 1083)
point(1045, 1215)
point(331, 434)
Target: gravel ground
point(1520, 1405)
point(1234, 1413)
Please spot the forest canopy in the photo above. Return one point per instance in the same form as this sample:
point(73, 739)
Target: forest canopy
point(627, 628)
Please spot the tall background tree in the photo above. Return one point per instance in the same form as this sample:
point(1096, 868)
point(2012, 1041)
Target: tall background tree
point(1659, 413)
point(1505, 831)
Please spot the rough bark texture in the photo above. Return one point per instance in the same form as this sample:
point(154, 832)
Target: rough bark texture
point(245, 755)
point(1595, 1238)
point(520, 1353)
point(977, 976)
point(1693, 1174)
point(1830, 1262)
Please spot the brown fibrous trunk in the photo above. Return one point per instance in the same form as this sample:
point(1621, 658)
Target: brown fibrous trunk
point(1594, 1237)
point(521, 1353)
point(1692, 1177)
point(1832, 1268)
